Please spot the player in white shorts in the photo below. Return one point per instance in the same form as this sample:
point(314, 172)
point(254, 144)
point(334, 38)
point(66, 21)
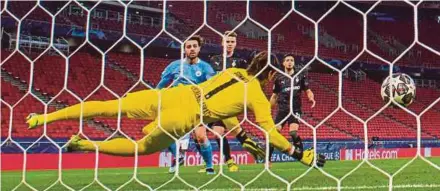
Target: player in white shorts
point(183, 144)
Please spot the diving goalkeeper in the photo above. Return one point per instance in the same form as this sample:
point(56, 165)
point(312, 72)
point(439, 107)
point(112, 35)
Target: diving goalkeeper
point(176, 111)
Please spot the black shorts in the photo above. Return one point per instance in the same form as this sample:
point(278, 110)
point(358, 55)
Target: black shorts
point(281, 114)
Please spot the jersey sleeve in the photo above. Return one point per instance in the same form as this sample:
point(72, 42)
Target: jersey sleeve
point(242, 63)
point(304, 83)
point(216, 63)
point(258, 103)
point(276, 86)
point(167, 76)
point(209, 71)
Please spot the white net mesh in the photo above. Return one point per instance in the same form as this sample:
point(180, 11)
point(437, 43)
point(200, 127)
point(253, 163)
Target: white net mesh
point(99, 83)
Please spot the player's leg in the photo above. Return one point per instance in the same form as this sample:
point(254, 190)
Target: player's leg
point(196, 142)
point(293, 129)
point(197, 145)
point(271, 147)
point(233, 126)
point(281, 115)
point(182, 146)
point(124, 146)
point(155, 139)
point(117, 146)
point(297, 141)
point(205, 148)
point(283, 145)
point(173, 149)
point(220, 129)
point(293, 132)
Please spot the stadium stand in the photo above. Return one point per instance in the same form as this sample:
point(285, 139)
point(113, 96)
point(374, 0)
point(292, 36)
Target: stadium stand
point(122, 71)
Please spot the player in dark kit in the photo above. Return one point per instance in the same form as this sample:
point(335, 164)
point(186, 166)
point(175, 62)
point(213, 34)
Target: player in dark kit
point(284, 92)
point(233, 60)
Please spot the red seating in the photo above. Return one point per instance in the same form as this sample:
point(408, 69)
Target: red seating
point(153, 68)
point(292, 29)
point(85, 74)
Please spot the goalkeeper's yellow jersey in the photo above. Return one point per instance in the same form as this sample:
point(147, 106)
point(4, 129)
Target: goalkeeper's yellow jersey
point(228, 93)
point(222, 97)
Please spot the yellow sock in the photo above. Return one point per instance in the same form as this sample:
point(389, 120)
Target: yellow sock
point(117, 146)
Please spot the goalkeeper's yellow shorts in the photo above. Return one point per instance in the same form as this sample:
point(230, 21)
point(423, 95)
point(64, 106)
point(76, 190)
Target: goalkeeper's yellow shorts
point(172, 115)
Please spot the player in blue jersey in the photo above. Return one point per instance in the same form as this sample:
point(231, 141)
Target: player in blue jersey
point(195, 70)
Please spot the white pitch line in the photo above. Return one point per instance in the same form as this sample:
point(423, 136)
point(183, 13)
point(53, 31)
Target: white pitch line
point(371, 187)
point(365, 187)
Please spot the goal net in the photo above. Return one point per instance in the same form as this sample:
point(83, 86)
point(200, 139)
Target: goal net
point(55, 54)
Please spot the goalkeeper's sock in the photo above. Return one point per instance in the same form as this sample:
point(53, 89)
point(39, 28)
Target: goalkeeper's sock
point(296, 153)
point(296, 139)
point(226, 148)
point(173, 149)
point(271, 149)
point(293, 134)
point(206, 151)
point(241, 137)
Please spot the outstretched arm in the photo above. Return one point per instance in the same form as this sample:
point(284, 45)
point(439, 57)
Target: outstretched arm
point(311, 97)
point(305, 87)
point(275, 91)
point(164, 81)
point(273, 99)
point(90, 109)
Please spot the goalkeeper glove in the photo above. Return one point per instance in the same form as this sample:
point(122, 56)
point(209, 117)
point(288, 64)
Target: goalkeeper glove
point(306, 157)
point(73, 143)
point(252, 147)
point(34, 120)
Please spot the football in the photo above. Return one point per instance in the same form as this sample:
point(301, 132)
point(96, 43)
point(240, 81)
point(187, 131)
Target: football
point(403, 89)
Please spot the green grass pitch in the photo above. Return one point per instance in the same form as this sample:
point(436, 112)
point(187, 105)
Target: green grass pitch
point(418, 175)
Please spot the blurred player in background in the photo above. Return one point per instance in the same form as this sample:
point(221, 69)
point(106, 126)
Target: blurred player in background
point(196, 71)
point(213, 96)
point(283, 93)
